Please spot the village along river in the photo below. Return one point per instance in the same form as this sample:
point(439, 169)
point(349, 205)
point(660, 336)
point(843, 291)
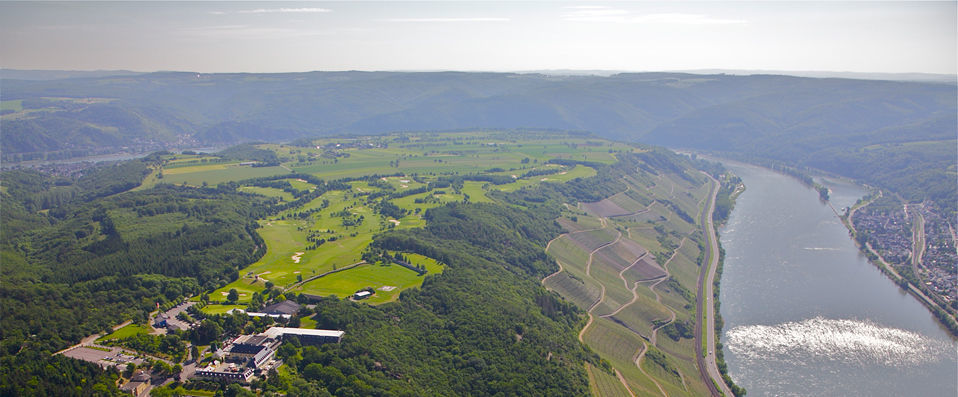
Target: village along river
point(807, 315)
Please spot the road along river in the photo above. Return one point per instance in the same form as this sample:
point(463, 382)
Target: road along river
point(807, 315)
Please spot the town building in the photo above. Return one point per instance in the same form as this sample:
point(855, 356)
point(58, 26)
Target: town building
point(228, 371)
point(286, 307)
point(248, 353)
point(306, 336)
point(138, 385)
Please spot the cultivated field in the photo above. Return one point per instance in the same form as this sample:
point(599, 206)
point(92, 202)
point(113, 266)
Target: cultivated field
point(323, 236)
point(611, 267)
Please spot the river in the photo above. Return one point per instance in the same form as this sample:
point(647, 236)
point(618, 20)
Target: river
point(807, 315)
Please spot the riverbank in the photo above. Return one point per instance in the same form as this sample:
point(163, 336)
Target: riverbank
point(796, 293)
point(940, 312)
point(948, 321)
point(705, 333)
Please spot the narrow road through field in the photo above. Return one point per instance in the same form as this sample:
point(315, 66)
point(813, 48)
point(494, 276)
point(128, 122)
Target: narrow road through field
point(638, 363)
point(665, 266)
point(706, 305)
point(588, 272)
point(917, 241)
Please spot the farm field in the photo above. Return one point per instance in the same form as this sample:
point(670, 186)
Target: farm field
point(390, 183)
point(605, 384)
point(627, 316)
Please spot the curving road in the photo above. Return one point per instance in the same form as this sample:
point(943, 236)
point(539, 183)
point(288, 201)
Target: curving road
point(707, 366)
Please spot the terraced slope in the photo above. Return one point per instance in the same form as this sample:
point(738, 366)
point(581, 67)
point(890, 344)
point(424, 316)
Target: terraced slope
point(610, 267)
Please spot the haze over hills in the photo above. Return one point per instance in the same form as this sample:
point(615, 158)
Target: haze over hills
point(827, 123)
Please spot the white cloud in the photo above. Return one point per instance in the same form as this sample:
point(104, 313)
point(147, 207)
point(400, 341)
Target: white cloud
point(248, 32)
point(474, 19)
point(279, 11)
point(609, 14)
point(686, 19)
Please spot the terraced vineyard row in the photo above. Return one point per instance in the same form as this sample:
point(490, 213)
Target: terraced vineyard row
point(612, 272)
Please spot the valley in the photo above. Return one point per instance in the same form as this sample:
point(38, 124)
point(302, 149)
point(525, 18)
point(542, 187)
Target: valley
point(399, 218)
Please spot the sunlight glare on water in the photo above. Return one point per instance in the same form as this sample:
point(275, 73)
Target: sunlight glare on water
point(847, 341)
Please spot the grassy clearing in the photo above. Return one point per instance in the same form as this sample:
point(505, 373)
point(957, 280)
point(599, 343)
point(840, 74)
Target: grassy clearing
point(268, 192)
point(387, 279)
point(214, 174)
point(126, 332)
point(220, 309)
point(307, 322)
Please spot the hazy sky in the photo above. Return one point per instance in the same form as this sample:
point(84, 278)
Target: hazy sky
point(498, 36)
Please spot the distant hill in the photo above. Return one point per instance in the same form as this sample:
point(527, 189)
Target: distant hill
point(20, 74)
point(802, 121)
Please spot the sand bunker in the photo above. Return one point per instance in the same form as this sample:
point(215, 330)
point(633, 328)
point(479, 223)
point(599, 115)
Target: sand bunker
point(386, 288)
point(297, 257)
point(394, 221)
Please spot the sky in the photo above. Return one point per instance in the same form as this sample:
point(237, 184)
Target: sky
point(872, 37)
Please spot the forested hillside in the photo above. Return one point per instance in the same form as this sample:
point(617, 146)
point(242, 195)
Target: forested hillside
point(886, 133)
point(87, 250)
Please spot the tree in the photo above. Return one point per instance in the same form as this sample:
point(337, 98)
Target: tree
point(195, 353)
point(233, 295)
point(130, 370)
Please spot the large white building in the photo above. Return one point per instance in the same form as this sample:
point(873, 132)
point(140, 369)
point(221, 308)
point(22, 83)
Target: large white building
point(249, 352)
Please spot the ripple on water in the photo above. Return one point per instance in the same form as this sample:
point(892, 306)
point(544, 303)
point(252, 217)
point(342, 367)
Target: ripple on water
point(848, 341)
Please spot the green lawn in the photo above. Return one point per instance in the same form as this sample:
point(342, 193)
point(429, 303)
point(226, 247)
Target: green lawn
point(387, 279)
point(214, 174)
point(220, 309)
point(126, 332)
point(268, 192)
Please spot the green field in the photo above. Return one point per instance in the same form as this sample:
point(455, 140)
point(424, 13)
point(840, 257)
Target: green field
point(605, 384)
point(220, 309)
point(388, 280)
point(268, 192)
point(346, 220)
point(126, 332)
point(214, 174)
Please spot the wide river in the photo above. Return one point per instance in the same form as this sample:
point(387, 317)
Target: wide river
point(807, 315)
